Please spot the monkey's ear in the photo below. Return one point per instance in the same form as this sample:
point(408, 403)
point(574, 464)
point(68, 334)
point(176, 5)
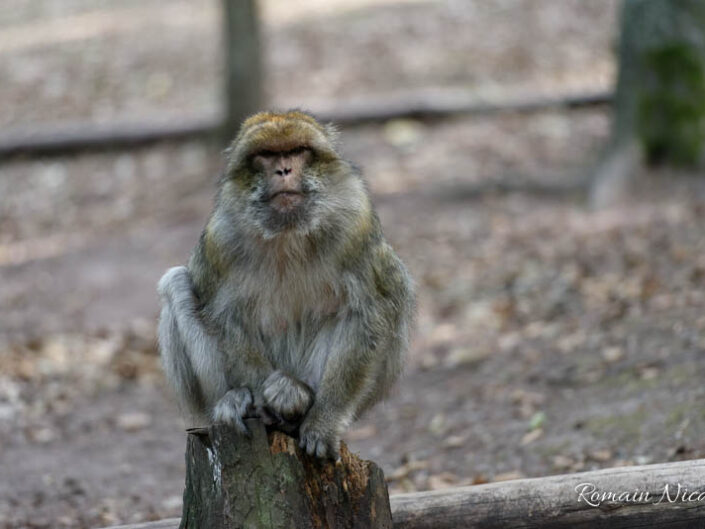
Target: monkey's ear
point(236, 158)
point(332, 133)
point(228, 151)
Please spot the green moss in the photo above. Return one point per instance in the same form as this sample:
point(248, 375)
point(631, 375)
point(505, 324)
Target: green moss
point(677, 415)
point(629, 381)
point(625, 429)
point(671, 107)
point(548, 451)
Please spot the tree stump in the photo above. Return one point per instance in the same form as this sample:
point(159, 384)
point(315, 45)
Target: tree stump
point(266, 481)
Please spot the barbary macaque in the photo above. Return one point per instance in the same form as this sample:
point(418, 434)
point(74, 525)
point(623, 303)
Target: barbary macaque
point(293, 307)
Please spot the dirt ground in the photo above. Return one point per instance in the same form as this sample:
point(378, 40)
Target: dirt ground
point(550, 338)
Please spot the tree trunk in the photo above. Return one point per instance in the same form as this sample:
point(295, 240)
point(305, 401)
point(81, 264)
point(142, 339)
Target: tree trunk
point(659, 111)
point(660, 96)
point(265, 481)
point(243, 67)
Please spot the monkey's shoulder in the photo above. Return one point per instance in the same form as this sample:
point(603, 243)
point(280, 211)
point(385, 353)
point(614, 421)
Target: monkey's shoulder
point(390, 275)
point(207, 265)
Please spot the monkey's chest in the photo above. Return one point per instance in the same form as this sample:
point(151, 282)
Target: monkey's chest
point(294, 308)
point(271, 305)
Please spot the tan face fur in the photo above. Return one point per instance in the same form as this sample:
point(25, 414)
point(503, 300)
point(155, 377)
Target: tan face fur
point(283, 172)
point(285, 177)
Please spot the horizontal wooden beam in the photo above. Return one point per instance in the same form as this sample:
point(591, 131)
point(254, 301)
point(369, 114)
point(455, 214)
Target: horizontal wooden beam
point(668, 495)
point(566, 501)
point(434, 104)
point(42, 139)
point(70, 137)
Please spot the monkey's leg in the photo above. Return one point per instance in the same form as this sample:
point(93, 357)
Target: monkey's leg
point(177, 367)
point(192, 360)
point(348, 379)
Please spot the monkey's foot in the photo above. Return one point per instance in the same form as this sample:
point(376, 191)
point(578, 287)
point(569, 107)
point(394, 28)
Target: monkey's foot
point(319, 443)
point(286, 397)
point(233, 407)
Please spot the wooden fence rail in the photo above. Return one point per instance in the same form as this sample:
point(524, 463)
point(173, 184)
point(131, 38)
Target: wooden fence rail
point(46, 139)
point(668, 495)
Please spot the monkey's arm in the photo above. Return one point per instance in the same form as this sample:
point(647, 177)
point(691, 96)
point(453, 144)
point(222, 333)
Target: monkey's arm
point(368, 344)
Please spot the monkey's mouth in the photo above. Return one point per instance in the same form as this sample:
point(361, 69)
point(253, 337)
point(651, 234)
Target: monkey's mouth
point(286, 200)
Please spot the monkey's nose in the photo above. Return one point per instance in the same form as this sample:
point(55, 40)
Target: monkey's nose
point(283, 172)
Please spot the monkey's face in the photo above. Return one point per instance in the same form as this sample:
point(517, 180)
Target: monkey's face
point(285, 176)
point(284, 189)
point(282, 174)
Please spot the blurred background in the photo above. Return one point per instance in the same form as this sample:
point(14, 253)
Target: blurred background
point(537, 165)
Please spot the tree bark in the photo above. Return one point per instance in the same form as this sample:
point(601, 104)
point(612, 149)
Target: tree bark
point(265, 481)
point(659, 112)
point(660, 96)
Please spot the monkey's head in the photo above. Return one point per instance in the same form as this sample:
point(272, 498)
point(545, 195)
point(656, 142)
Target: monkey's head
point(285, 175)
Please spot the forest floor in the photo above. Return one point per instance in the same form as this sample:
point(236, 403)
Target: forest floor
point(550, 337)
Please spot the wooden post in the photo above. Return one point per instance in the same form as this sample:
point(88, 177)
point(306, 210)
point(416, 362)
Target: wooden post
point(243, 66)
point(265, 481)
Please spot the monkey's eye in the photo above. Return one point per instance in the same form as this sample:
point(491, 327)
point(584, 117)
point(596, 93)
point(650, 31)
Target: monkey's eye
point(265, 153)
point(299, 150)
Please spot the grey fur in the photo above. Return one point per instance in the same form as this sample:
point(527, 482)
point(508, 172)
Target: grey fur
point(233, 407)
point(289, 399)
point(315, 306)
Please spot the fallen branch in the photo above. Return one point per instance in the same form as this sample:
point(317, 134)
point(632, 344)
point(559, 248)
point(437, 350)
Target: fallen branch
point(58, 139)
point(672, 495)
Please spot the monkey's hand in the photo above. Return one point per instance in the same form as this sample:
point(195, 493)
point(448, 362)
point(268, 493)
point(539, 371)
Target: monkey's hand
point(286, 397)
point(319, 438)
point(232, 409)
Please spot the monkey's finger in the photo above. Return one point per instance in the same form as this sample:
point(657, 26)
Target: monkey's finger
point(308, 445)
point(267, 418)
point(241, 427)
point(327, 449)
point(318, 447)
point(322, 450)
point(226, 412)
point(333, 451)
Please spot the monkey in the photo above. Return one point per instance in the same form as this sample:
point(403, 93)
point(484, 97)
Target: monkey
point(293, 307)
